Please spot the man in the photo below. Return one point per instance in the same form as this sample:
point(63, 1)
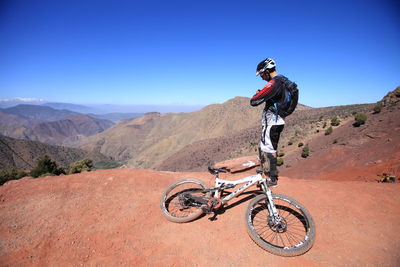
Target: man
point(272, 122)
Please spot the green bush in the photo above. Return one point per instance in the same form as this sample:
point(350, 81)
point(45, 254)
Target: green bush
point(377, 108)
point(290, 143)
point(329, 130)
point(280, 161)
point(281, 154)
point(80, 166)
point(335, 121)
point(300, 145)
point(8, 175)
point(306, 152)
point(360, 119)
point(46, 166)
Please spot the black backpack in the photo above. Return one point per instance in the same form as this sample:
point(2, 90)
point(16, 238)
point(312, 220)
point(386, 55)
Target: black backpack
point(289, 96)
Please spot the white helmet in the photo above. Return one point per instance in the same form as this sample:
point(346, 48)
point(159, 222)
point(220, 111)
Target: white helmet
point(264, 65)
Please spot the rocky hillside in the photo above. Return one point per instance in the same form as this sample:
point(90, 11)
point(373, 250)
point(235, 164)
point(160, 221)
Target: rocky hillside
point(24, 154)
point(300, 126)
point(373, 146)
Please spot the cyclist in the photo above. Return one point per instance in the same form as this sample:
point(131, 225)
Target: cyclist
point(272, 123)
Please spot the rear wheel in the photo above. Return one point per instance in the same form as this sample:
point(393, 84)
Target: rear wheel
point(176, 207)
point(292, 236)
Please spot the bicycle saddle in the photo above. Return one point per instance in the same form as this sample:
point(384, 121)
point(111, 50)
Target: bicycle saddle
point(215, 170)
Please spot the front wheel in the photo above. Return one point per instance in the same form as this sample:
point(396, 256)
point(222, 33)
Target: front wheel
point(292, 236)
point(176, 207)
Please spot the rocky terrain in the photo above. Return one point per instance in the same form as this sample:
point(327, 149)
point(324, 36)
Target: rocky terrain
point(112, 218)
point(300, 126)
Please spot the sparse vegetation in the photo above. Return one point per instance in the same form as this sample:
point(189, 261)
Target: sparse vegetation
point(335, 121)
point(323, 126)
point(8, 175)
point(377, 108)
point(106, 165)
point(280, 161)
point(360, 119)
point(46, 166)
point(300, 145)
point(329, 130)
point(305, 152)
point(290, 143)
point(335, 141)
point(281, 154)
point(80, 166)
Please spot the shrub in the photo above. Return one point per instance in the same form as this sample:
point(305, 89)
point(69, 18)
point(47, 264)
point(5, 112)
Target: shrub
point(360, 119)
point(300, 145)
point(323, 126)
point(80, 166)
point(354, 113)
point(334, 141)
point(46, 166)
point(377, 108)
point(320, 118)
point(280, 161)
point(335, 121)
point(281, 154)
point(306, 152)
point(290, 143)
point(329, 130)
point(8, 175)
point(317, 131)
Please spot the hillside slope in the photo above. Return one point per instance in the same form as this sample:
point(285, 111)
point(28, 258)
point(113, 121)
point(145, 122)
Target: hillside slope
point(148, 140)
point(353, 153)
point(112, 217)
point(24, 154)
point(300, 126)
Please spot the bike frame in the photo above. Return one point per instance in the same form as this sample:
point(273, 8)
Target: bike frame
point(247, 181)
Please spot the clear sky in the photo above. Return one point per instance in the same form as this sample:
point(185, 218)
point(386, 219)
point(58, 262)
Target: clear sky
point(196, 52)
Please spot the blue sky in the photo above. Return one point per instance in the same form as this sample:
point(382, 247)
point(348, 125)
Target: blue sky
point(196, 52)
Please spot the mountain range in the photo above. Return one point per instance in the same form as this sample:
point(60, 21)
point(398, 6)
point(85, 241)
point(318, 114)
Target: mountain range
point(191, 141)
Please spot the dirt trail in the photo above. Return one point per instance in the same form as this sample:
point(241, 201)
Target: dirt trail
point(112, 217)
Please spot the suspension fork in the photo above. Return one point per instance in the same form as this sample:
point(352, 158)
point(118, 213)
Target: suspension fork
point(270, 205)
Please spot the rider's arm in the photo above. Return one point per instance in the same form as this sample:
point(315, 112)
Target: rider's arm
point(260, 96)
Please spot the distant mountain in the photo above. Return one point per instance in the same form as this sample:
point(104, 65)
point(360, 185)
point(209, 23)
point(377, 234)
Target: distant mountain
point(11, 102)
point(69, 129)
point(116, 117)
point(23, 154)
point(38, 113)
point(45, 124)
point(71, 107)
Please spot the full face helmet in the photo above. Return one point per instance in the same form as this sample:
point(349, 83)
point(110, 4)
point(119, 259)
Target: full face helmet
point(266, 64)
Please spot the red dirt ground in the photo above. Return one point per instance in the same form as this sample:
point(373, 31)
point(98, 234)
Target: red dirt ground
point(112, 217)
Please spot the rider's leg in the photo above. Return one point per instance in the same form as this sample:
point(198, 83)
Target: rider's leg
point(268, 146)
point(273, 171)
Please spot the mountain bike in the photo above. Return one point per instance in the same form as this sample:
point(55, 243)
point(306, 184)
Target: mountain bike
point(275, 222)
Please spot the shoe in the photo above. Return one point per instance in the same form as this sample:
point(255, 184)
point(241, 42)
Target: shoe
point(272, 182)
